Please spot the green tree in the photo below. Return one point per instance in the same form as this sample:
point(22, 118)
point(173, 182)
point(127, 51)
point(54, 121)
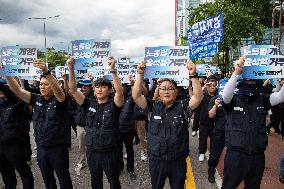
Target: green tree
point(240, 22)
point(54, 58)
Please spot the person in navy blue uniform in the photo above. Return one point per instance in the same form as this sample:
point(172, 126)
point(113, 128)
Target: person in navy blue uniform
point(51, 128)
point(102, 126)
point(13, 112)
point(168, 136)
point(127, 131)
point(217, 113)
point(245, 131)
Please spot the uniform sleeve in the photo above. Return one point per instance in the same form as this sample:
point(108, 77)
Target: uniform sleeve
point(33, 99)
point(62, 105)
point(228, 107)
point(267, 103)
point(150, 103)
point(117, 109)
point(86, 103)
point(229, 88)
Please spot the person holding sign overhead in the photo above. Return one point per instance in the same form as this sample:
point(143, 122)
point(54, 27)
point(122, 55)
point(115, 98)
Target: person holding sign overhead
point(245, 131)
point(102, 125)
point(168, 136)
point(50, 121)
point(13, 113)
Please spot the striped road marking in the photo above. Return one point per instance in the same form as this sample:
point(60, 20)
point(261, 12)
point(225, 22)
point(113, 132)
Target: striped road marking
point(189, 182)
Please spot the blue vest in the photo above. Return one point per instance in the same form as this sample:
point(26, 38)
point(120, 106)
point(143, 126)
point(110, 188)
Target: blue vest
point(246, 125)
point(168, 137)
point(50, 124)
point(12, 119)
point(127, 116)
point(102, 126)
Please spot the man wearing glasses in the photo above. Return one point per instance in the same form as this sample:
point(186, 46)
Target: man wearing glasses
point(168, 137)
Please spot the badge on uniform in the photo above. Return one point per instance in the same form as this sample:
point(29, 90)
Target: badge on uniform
point(92, 109)
point(238, 109)
point(157, 117)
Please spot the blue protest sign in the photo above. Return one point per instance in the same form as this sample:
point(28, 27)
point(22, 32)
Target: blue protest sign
point(127, 67)
point(18, 61)
point(221, 85)
point(60, 70)
point(203, 37)
point(166, 55)
point(200, 52)
point(263, 62)
point(210, 27)
point(165, 72)
point(89, 54)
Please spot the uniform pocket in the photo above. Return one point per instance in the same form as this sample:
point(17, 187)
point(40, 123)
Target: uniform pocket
point(261, 116)
point(107, 120)
point(178, 126)
point(90, 117)
point(154, 126)
point(9, 116)
point(237, 138)
point(154, 147)
point(261, 140)
point(89, 141)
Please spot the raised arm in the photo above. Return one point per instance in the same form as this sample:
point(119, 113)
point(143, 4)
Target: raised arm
point(118, 96)
point(137, 96)
point(197, 95)
point(58, 92)
point(212, 112)
point(91, 78)
point(277, 97)
point(190, 92)
point(232, 82)
point(77, 95)
point(19, 92)
point(156, 93)
point(65, 83)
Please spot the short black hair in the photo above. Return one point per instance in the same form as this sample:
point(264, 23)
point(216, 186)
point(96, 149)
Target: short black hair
point(212, 77)
point(170, 80)
point(103, 82)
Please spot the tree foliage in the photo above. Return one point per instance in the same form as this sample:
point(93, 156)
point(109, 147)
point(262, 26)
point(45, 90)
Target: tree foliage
point(54, 58)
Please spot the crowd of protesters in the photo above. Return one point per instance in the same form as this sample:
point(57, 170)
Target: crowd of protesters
point(108, 115)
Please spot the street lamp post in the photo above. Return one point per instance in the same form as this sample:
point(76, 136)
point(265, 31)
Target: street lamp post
point(44, 31)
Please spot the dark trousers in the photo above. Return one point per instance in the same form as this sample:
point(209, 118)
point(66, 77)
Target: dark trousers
point(103, 162)
point(205, 131)
point(174, 170)
point(240, 167)
point(218, 144)
point(12, 156)
point(28, 146)
point(54, 159)
point(127, 140)
point(195, 124)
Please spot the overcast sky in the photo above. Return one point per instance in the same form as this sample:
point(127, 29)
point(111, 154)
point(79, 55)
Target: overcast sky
point(130, 24)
